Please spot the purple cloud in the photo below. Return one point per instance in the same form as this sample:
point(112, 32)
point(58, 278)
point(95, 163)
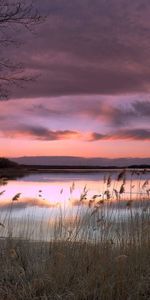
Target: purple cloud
point(39, 133)
point(128, 134)
point(95, 47)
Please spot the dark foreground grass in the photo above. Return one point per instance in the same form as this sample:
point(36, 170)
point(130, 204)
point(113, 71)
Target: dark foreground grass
point(75, 270)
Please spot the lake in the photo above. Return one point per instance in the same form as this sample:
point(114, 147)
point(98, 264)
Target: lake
point(46, 197)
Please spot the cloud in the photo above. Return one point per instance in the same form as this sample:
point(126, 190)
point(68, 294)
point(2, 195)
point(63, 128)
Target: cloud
point(128, 134)
point(137, 111)
point(97, 136)
point(88, 47)
point(65, 118)
point(39, 133)
point(102, 110)
point(142, 108)
point(45, 134)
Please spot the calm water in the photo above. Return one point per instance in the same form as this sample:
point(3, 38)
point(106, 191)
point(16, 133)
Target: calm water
point(44, 197)
point(59, 188)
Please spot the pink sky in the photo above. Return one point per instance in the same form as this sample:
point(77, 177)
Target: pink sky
point(103, 127)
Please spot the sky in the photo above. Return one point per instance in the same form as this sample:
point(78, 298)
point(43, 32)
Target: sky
point(91, 92)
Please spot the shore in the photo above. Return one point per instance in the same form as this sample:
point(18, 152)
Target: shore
point(74, 270)
point(23, 170)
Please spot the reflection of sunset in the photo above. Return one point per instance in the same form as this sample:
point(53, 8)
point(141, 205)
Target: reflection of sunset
point(44, 194)
point(66, 194)
point(70, 200)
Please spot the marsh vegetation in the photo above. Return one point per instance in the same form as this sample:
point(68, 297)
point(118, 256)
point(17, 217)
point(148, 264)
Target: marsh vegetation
point(99, 252)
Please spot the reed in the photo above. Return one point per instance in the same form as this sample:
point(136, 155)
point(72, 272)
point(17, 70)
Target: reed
point(95, 255)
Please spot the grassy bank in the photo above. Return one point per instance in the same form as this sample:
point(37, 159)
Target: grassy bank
point(112, 268)
point(75, 270)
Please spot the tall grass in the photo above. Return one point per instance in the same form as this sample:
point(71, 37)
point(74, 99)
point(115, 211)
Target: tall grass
point(100, 252)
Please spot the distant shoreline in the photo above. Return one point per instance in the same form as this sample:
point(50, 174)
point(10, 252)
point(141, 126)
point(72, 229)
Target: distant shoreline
point(11, 170)
point(85, 169)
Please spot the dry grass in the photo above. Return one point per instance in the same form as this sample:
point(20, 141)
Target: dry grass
point(111, 264)
point(74, 270)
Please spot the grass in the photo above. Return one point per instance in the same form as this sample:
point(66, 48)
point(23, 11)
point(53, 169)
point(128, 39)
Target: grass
point(94, 256)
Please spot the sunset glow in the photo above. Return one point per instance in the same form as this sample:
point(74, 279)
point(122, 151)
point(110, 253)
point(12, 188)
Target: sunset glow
point(50, 193)
point(27, 131)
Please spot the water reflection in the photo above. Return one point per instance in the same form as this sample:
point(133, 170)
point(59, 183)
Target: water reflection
point(57, 189)
point(84, 200)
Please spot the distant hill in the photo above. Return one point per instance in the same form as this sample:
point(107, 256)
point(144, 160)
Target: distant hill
point(10, 169)
point(6, 163)
point(80, 161)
